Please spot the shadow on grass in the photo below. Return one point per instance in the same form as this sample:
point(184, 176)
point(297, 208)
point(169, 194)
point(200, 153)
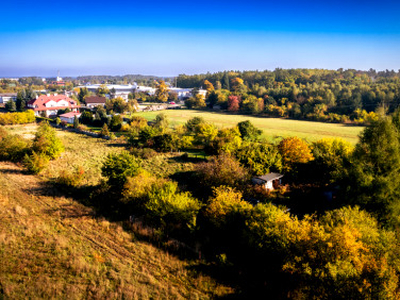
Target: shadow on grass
point(101, 202)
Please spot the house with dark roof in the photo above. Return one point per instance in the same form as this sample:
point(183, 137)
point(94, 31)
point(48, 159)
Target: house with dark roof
point(50, 104)
point(93, 101)
point(270, 181)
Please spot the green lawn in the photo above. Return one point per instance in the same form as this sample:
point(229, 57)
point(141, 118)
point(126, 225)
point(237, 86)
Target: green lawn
point(273, 128)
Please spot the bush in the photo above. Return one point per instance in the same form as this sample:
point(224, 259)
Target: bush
point(47, 142)
point(13, 148)
point(104, 131)
point(167, 206)
point(145, 153)
point(222, 170)
point(118, 167)
point(35, 162)
point(71, 178)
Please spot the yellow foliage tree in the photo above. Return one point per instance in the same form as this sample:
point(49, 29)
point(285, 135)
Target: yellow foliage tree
point(162, 92)
point(294, 151)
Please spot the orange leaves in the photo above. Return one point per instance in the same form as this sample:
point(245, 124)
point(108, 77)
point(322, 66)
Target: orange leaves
point(294, 151)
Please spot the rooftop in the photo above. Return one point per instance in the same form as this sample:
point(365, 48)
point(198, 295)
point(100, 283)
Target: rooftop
point(270, 176)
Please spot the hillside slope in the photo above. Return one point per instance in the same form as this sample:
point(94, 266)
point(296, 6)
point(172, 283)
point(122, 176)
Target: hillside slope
point(53, 247)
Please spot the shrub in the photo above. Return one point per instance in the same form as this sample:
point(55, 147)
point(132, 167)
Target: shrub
point(35, 162)
point(17, 118)
point(167, 206)
point(104, 131)
point(13, 148)
point(116, 123)
point(47, 142)
point(118, 167)
point(71, 178)
point(222, 170)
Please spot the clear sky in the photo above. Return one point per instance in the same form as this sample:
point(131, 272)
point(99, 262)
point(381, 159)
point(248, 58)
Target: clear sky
point(165, 38)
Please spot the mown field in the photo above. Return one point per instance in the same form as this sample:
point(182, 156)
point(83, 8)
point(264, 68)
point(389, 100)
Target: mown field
point(51, 246)
point(273, 128)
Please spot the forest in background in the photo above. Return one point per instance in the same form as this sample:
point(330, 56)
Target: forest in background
point(313, 94)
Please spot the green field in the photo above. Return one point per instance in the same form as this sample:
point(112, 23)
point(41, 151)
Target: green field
point(273, 128)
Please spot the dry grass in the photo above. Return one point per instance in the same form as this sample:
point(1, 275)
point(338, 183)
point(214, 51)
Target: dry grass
point(53, 247)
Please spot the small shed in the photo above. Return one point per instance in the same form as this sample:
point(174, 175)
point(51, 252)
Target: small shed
point(270, 181)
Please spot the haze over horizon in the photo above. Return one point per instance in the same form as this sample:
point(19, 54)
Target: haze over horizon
point(167, 39)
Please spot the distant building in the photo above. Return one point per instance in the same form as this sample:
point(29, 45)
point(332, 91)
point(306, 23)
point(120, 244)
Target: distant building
point(50, 104)
point(5, 97)
point(93, 101)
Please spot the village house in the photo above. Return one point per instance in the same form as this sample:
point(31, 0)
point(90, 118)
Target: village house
point(70, 117)
point(94, 101)
point(5, 97)
point(50, 104)
point(270, 181)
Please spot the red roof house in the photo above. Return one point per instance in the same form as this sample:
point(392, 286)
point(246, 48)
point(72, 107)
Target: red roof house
point(51, 104)
point(70, 117)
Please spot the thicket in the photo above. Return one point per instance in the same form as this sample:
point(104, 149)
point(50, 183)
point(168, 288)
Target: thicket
point(34, 155)
point(321, 95)
point(17, 118)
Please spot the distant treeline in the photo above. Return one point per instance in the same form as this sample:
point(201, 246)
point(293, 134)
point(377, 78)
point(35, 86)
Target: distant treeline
point(324, 95)
point(139, 79)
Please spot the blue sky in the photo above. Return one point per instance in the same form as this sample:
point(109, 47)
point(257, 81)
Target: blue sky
point(170, 38)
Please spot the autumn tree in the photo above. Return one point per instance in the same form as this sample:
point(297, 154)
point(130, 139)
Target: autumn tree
point(233, 103)
point(223, 169)
point(294, 151)
point(209, 86)
point(161, 94)
point(102, 90)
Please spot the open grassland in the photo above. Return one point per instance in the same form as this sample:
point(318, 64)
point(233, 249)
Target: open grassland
point(273, 128)
point(53, 247)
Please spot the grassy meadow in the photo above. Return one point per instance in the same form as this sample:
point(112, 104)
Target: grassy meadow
point(273, 128)
point(51, 246)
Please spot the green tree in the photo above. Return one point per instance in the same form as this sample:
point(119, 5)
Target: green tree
point(161, 122)
point(260, 158)
point(76, 122)
point(10, 106)
point(248, 131)
point(374, 183)
point(86, 117)
point(116, 122)
point(118, 167)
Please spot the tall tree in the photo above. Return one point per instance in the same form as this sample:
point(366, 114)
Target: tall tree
point(374, 181)
point(162, 92)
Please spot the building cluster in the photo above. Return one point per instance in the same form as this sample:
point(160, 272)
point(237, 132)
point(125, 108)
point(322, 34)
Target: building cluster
point(49, 105)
